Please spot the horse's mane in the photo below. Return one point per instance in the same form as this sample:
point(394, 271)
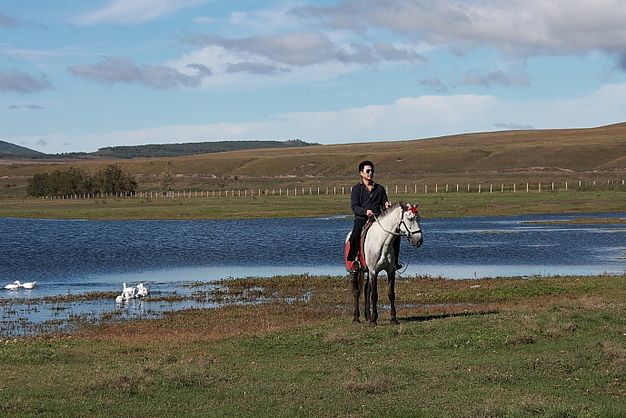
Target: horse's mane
point(389, 210)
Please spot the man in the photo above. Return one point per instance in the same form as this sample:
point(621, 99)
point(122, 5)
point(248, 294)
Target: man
point(368, 199)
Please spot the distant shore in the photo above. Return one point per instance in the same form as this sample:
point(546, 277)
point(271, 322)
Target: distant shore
point(432, 205)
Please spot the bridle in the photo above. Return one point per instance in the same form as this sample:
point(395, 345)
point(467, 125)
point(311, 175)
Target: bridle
point(398, 231)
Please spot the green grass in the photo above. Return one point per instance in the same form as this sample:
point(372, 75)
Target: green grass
point(509, 347)
point(432, 206)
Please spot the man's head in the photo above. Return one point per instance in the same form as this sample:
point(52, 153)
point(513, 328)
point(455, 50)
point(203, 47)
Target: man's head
point(366, 170)
point(365, 163)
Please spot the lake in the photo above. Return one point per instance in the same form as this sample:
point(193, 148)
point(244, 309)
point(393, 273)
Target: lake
point(73, 257)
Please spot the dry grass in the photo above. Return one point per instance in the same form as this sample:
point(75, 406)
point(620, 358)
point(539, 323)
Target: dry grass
point(496, 156)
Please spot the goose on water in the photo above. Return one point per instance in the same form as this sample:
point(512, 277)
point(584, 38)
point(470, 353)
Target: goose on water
point(142, 290)
point(13, 286)
point(28, 285)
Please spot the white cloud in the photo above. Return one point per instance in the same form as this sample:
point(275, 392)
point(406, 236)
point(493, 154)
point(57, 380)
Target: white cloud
point(518, 26)
point(133, 11)
point(406, 118)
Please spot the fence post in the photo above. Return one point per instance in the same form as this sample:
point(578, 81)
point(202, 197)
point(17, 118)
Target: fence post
point(426, 189)
point(396, 189)
point(479, 187)
point(539, 188)
point(436, 188)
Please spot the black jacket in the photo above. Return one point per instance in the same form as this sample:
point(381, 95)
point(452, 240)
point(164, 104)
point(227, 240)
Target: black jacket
point(362, 199)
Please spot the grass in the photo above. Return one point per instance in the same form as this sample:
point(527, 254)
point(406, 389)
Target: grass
point(432, 206)
point(496, 347)
point(558, 151)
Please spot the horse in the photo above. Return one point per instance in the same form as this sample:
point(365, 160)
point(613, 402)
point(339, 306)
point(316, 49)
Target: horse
point(400, 219)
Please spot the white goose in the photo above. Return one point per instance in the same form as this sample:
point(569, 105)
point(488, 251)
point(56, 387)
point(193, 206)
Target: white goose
point(13, 286)
point(129, 292)
point(142, 290)
point(28, 285)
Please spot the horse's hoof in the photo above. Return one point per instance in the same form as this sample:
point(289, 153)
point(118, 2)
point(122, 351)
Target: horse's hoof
point(372, 323)
point(394, 321)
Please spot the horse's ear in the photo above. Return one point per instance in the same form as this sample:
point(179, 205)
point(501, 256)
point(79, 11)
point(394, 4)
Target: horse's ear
point(404, 206)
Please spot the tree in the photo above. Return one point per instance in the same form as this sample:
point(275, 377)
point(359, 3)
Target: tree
point(112, 179)
point(166, 181)
point(38, 184)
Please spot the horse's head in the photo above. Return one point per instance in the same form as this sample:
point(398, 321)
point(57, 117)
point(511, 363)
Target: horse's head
point(410, 224)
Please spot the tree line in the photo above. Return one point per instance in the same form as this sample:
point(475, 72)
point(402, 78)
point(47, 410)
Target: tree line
point(74, 181)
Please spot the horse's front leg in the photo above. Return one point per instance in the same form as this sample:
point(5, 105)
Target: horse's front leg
point(374, 298)
point(367, 295)
point(357, 285)
point(391, 292)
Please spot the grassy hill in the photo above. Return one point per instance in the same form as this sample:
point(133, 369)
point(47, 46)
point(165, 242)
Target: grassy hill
point(8, 150)
point(496, 156)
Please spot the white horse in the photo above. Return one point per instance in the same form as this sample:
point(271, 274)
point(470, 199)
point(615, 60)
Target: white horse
point(400, 219)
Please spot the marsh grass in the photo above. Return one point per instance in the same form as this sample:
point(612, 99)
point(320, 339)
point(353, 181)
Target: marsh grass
point(513, 347)
point(431, 205)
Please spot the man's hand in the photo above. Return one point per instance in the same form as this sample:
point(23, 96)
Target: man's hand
point(387, 205)
point(369, 213)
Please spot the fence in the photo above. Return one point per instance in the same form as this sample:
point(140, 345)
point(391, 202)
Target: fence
point(520, 187)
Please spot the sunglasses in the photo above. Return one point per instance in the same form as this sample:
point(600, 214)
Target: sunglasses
point(369, 171)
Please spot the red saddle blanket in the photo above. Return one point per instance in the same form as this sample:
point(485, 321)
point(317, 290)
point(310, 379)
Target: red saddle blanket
point(360, 255)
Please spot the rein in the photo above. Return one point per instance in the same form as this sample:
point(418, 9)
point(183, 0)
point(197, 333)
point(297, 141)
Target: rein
point(397, 234)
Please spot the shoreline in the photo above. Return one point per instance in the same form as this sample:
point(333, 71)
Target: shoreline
point(550, 346)
point(67, 314)
point(433, 206)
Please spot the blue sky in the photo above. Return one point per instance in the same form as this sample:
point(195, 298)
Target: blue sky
point(79, 75)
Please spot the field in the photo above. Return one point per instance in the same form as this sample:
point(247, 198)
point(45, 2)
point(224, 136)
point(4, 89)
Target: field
point(550, 346)
point(496, 157)
point(431, 205)
point(497, 347)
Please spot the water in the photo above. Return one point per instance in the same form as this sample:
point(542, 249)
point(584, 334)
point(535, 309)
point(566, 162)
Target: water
point(73, 257)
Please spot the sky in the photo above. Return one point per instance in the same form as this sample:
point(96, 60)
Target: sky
point(78, 75)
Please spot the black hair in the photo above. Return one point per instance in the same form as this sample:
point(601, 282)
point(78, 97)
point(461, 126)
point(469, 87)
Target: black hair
point(362, 165)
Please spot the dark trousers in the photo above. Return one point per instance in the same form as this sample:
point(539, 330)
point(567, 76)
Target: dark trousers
point(355, 236)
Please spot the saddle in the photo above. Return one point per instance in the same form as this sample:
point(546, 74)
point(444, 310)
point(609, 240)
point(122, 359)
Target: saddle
point(360, 253)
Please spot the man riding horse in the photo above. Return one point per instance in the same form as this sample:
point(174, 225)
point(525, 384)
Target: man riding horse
point(368, 199)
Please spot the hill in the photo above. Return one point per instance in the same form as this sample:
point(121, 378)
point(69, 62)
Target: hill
point(493, 156)
point(8, 150)
point(174, 150)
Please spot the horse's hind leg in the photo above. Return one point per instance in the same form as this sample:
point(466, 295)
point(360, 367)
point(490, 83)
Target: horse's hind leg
point(391, 292)
point(357, 285)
